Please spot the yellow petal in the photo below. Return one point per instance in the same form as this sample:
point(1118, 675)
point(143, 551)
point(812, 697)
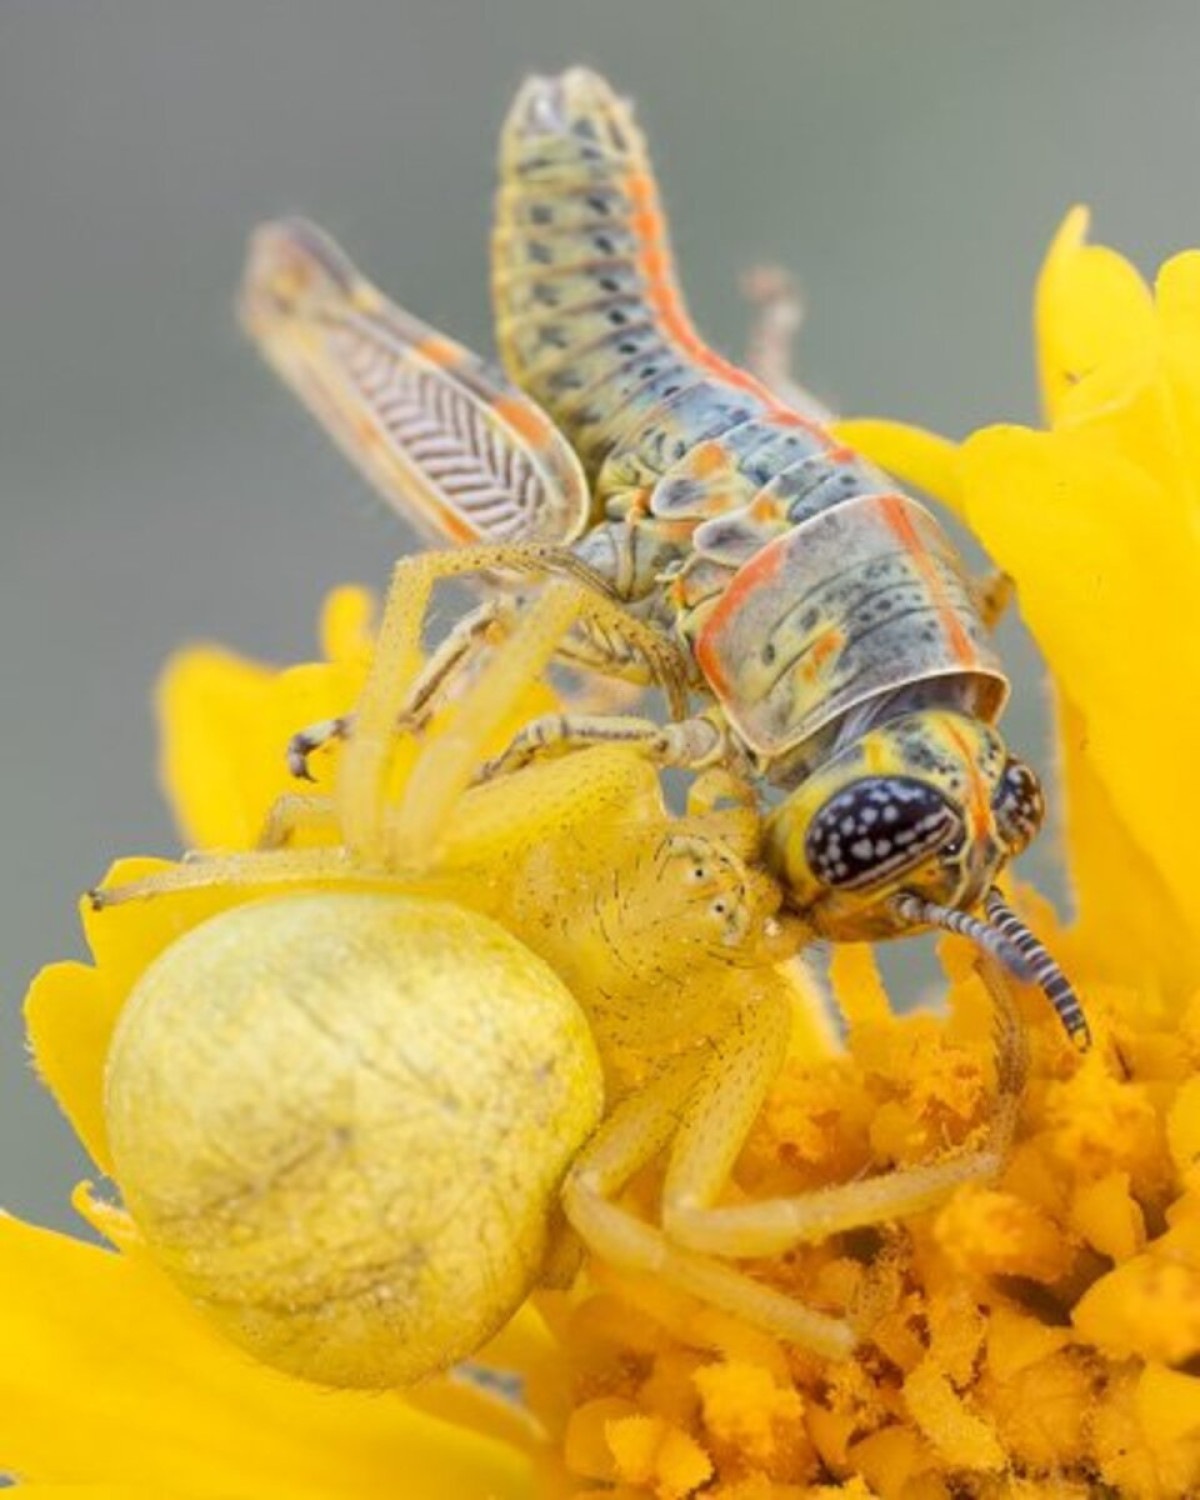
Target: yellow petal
point(1129, 927)
point(1109, 583)
point(94, 1492)
point(347, 624)
point(1128, 1457)
point(69, 1017)
point(916, 457)
point(894, 1459)
point(1041, 1413)
point(1147, 1308)
point(1116, 361)
point(1183, 1127)
point(1017, 1341)
point(71, 1009)
point(225, 727)
point(225, 723)
point(1178, 301)
point(653, 1452)
point(109, 1378)
point(857, 986)
point(1107, 1215)
point(1094, 322)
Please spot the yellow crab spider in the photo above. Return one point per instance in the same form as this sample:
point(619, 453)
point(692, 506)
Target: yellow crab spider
point(344, 1113)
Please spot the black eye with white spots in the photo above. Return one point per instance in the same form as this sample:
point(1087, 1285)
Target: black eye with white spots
point(877, 826)
point(1018, 805)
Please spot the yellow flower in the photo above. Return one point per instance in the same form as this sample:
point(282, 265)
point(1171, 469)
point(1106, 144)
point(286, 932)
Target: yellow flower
point(1032, 1337)
point(1098, 521)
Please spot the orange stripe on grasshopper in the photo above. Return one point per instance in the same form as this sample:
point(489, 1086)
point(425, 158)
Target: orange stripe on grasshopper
point(978, 804)
point(646, 224)
point(901, 527)
point(827, 644)
point(761, 569)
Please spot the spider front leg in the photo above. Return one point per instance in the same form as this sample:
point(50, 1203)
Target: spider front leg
point(445, 666)
point(640, 1127)
point(724, 1105)
point(439, 815)
point(293, 815)
point(573, 594)
point(704, 1108)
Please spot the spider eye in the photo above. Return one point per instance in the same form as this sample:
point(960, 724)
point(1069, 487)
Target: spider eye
point(877, 826)
point(1018, 805)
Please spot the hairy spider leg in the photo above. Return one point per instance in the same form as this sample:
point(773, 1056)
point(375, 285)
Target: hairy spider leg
point(700, 1109)
point(631, 1136)
point(719, 1115)
point(575, 595)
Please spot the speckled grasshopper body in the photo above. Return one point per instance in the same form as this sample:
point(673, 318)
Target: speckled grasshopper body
point(749, 557)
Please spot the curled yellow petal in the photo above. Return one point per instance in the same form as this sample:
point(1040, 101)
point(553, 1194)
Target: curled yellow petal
point(226, 721)
point(1109, 583)
point(1094, 316)
point(916, 457)
point(69, 1017)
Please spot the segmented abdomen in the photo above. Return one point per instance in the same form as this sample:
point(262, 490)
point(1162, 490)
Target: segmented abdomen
point(591, 323)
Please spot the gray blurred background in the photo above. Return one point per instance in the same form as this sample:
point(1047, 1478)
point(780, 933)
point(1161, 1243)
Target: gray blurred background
point(910, 161)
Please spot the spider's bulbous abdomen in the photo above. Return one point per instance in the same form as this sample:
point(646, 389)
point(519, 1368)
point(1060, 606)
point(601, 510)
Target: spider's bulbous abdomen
point(341, 1121)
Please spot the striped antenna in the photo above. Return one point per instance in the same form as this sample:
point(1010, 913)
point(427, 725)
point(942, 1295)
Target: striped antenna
point(1044, 972)
point(1006, 939)
point(917, 910)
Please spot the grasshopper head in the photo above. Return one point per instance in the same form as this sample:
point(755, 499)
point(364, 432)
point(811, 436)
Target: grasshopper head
point(906, 829)
point(930, 805)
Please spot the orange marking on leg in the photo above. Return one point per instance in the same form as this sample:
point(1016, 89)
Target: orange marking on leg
point(900, 524)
